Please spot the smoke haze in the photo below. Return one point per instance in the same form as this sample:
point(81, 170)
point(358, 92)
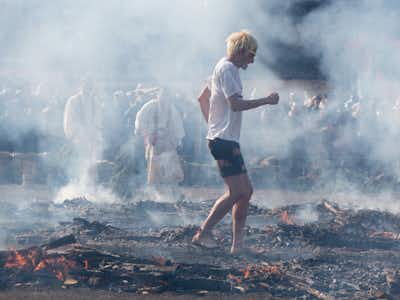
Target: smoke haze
point(356, 41)
point(178, 42)
point(175, 40)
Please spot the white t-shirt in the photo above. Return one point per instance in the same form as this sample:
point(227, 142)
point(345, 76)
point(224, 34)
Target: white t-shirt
point(223, 122)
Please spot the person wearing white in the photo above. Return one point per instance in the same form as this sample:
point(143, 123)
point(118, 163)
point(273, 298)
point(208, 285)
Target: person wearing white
point(222, 107)
point(161, 125)
point(223, 122)
point(80, 123)
point(82, 128)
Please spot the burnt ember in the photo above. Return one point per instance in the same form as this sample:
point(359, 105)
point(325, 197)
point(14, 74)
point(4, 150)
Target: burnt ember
point(314, 251)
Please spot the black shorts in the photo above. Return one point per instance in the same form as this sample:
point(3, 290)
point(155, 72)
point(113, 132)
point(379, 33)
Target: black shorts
point(228, 156)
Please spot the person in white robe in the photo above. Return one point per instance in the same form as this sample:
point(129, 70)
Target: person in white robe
point(82, 128)
point(161, 125)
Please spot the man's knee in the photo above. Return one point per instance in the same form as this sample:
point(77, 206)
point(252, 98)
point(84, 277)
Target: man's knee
point(234, 195)
point(243, 194)
point(249, 192)
point(246, 188)
point(239, 188)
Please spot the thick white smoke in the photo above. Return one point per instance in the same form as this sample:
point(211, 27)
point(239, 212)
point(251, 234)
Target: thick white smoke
point(178, 42)
point(165, 40)
point(54, 44)
point(357, 42)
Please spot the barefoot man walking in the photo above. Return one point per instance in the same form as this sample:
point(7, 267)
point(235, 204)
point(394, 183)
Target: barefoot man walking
point(222, 107)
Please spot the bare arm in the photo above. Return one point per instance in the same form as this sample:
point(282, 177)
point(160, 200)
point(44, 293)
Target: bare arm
point(237, 103)
point(204, 101)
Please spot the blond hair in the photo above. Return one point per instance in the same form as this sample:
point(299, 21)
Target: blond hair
point(240, 41)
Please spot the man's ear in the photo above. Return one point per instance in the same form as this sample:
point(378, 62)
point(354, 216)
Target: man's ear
point(241, 52)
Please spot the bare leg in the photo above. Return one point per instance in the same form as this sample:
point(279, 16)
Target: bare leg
point(239, 215)
point(221, 207)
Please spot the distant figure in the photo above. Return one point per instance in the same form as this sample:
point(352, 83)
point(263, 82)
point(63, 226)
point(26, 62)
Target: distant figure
point(82, 126)
point(160, 123)
point(222, 107)
point(115, 126)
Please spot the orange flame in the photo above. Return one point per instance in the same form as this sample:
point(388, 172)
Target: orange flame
point(271, 269)
point(86, 264)
point(286, 219)
point(34, 261)
point(60, 266)
point(17, 260)
point(234, 278)
point(246, 273)
point(40, 266)
point(257, 270)
point(59, 275)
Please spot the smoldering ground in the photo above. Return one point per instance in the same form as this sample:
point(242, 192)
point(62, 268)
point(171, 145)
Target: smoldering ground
point(122, 43)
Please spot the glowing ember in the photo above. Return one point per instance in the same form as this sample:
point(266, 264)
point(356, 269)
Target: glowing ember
point(234, 278)
point(40, 266)
point(59, 275)
point(16, 260)
point(386, 234)
point(86, 264)
point(286, 219)
point(35, 260)
point(271, 269)
point(246, 273)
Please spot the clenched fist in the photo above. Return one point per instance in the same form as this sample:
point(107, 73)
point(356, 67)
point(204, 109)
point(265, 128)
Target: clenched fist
point(273, 98)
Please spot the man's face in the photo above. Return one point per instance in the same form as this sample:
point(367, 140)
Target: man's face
point(87, 87)
point(247, 58)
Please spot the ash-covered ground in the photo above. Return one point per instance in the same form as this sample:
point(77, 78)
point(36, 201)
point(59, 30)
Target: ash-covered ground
point(302, 245)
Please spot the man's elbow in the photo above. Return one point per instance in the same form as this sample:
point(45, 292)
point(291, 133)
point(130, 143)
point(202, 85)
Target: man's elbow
point(234, 103)
point(205, 95)
point(234, 107)
point(202, 99)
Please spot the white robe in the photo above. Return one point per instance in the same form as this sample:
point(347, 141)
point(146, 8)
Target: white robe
point(81, 123)
point(163, 120)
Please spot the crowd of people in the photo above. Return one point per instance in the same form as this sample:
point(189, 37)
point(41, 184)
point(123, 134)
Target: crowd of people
point(319, 136)
point(92, 124)
point(348, 138)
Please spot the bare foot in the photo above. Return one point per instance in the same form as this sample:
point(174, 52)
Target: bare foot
point(241, 249)
point(237, 247)
point(236, 250)
point(204, 240)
